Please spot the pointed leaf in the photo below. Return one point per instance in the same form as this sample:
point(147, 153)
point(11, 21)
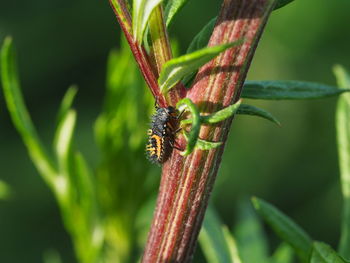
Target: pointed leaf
point(282, 3)
point(288, 89)
point(193, 136)
point(283, 254)
point(172, 8)
point(285, 228)
point(246, 109)
point(251, 240)
point(323, 253)
point(19, 113)
point(343, 139)
point(218, 116)
point(217, 244)
point(63, 138)
point(206, 145)
point(142, 10)
point(67, 102)
point(202, 38)
point(175, 69)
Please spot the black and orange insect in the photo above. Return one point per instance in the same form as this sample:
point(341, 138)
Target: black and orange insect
point(165, 123)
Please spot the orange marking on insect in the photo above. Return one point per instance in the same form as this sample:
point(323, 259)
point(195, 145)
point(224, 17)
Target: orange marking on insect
point(159, 144)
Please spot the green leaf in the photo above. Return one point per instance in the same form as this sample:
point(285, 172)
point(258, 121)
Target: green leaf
point(292, 90)
point(283, 254)
point(67, 102)
point(245, 109)
point(175, 69)
point(172, 8)
point(142, 10)
point(216, 242)
point(199, 41)
point(5, 190)
point(322, 253)
point(343, 139)
point(221, 115)
point(251, 240)
point(193, 136)
point(63, 138)
point(19, 114)
point(202, 38)
point(205, 145)
point(218, 116)
point(285, 228)
point(282, 3)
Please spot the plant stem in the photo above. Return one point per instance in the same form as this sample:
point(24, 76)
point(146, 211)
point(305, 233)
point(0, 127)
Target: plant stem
point(123, 16)
point(187, 182)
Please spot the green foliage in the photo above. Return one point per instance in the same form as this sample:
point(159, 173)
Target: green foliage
point(343, 136)
point(322, 253)
point(285, 228)
point(283, 254)
point(193, 136)
point(172, 8)
point(245, 109)
point(216, 241)
point(175, 69)
point(141, 12)
point(292, 90)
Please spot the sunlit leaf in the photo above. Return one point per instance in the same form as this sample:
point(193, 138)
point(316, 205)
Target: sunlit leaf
point(218, 116)
point(206, 145)
point(63, 138)
point(216, 242)
point(288, 89)
point(175, 69)
point(172, 8)
point(245, 109)
point(283, 254)
point(282, 3)
point(67, 102)
point(142, 10)
point(343, 138)
point(193, 136)
point(285, 228)
point(323, 253)
point(5, 190)
point(19, 113)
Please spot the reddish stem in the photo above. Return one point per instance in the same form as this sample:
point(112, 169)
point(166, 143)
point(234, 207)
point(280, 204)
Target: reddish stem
point(122, 13)
point(187, 182)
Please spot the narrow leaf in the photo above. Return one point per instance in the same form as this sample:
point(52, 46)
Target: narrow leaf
point(285, 228)
point(282, 3)
point(199, 41)
point(283, 254)
point(193, 136)
point(63, 138)
point(142, 10)
point(322, 253)
point(292, 90)
point(19, 114)
point(218, 116)
point(251, 240)
point(343, 139)
point(245, 109)
point(67, 102)
point(221, 115)
point(175, 69)
point(172, 8)
point(217, 244)
point(206, 145)
point(202, 38)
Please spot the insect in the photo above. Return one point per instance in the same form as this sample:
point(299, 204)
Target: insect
point(162, 134)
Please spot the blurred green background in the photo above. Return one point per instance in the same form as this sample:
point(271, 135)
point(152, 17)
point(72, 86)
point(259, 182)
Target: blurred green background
point(294, 167)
